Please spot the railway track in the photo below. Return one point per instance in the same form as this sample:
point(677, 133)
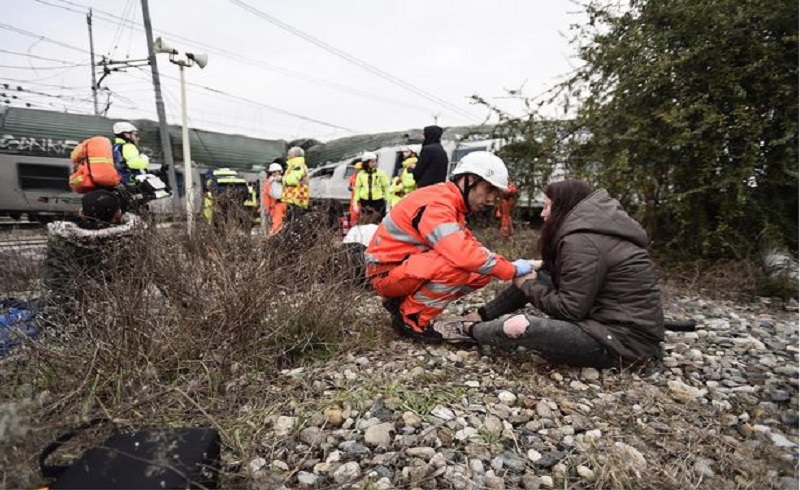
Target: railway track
point(8, 224)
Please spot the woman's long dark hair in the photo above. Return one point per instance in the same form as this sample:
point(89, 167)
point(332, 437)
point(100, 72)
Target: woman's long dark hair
point(564, 196)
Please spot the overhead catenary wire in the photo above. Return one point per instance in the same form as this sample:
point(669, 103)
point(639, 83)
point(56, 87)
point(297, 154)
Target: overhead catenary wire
point(261, 104)
point(115, 19)
point(35, 68)
point(352, 59)
point(205, 88)
point(43, 58)
point(41, 37)
point(34, 82)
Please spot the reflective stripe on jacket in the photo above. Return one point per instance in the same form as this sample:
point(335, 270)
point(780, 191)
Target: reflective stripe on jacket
point(371, 185)
point(433, 218)
point(295, 182)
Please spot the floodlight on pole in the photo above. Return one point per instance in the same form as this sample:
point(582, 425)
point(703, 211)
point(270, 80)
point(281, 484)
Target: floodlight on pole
point(189, 59)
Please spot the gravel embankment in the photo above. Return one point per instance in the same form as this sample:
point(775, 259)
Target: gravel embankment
point(721, 412)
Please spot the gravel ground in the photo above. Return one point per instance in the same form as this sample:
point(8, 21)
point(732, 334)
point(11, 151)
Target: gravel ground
point(720, 412)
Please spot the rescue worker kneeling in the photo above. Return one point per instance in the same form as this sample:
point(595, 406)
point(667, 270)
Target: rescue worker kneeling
point(423, 257)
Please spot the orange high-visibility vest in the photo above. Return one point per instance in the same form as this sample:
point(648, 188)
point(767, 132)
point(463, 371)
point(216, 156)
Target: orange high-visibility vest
point(433, 217)
point(94, 165)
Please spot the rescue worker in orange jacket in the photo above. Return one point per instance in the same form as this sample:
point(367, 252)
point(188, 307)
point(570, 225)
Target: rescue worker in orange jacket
point(505, 209)
point(423, 257)
point(271, 198)
point(351, 186)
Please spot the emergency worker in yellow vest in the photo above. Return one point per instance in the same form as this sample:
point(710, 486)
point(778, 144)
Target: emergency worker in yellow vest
point(372, 185)
point(226, 198)
point(295, 183)
point(404, 183)
point(251, 205)
point(128, 159)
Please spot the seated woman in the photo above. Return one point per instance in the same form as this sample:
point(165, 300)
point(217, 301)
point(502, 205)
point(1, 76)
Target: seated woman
point(596, 283)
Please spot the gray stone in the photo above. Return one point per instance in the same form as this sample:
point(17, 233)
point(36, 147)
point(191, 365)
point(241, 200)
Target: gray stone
point(312, 435)
point(703, 468)
point(585, 472)
point(507, 398)
point(383, 472)
point(443, 413)
point(531, 482)
point(425, 453)
point(353, 448)
point(347, 473)
point(549, 459)
point(590, 374)
point(284, 425)
point(543, 409)
point(513, 462)
point(379, 435)
point(780, 396)
point(307, 480)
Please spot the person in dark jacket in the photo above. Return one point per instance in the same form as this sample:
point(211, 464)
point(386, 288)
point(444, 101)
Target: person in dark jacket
point(596, 283)
point(433, 163)
point(93, 248)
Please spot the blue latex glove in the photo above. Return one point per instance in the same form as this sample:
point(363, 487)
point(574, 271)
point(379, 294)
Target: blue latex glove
point(522, 267)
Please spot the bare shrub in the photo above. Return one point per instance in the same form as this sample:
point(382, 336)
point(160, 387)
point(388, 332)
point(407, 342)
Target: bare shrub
point(179, 330)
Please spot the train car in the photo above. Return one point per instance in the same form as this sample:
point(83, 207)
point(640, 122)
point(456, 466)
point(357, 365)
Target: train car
point(330, 181)
point(34, 158)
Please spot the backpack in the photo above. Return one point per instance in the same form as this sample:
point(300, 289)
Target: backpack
point(94, 165)
point(177, 458)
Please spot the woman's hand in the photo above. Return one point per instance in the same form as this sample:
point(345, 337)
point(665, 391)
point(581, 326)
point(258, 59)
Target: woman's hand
point(472, 317)
point(519, 281)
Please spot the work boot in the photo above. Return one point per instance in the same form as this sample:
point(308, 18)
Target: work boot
point(392, 305)
point(454, 331)
point(427, 336)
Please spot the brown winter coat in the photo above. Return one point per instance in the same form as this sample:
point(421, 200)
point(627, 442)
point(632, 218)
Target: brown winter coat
point(604, 279)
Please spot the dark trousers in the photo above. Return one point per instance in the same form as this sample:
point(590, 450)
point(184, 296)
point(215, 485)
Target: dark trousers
point(293, 213)
point(557, 341)
point(378, 205)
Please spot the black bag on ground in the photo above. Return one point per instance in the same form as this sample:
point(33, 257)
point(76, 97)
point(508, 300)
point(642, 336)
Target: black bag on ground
point(168, 458)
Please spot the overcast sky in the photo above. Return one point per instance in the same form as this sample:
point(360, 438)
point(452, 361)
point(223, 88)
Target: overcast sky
point(277, 84)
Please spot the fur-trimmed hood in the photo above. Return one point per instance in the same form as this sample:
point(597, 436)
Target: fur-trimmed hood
point(72, 233)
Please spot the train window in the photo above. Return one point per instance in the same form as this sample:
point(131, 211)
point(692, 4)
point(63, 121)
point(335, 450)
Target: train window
point(462, 152)
point(323, 172)
point(33, 176)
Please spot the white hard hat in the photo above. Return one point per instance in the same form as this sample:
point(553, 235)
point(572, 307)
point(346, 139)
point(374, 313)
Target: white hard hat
point(368, 155)
point(124, 127)
point(275, 167)
point(485, 165)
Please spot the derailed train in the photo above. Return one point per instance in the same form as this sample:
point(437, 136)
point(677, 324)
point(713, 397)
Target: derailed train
point(35, 146)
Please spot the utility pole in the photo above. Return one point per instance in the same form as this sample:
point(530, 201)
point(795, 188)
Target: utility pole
point(91, 53)
point(162, 116)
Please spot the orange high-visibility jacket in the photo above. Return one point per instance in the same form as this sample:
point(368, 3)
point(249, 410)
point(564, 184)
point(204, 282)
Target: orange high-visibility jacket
point(433, 217)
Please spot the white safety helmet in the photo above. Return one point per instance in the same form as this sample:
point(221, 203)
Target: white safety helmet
point(368, 155)
point(124, 127)
point(275, 167)
point(485, 165)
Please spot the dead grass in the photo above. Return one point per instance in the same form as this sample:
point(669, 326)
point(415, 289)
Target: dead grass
point(193, 331)
point(186, 331)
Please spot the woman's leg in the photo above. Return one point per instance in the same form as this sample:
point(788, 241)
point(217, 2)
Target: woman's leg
point(555, 340)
